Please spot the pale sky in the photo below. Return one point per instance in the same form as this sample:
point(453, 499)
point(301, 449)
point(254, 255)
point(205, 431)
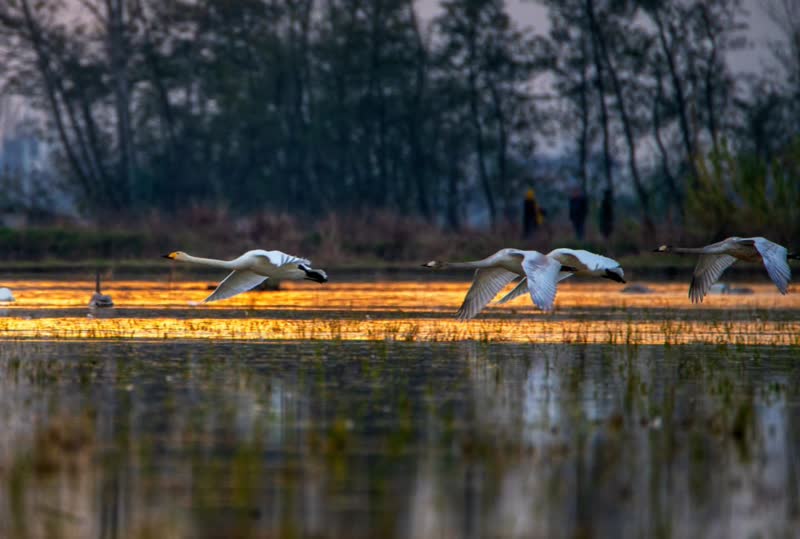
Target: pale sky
point(532, 14)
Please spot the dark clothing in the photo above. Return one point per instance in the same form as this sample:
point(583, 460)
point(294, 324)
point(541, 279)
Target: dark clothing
point(529, 223)
point(578, 209)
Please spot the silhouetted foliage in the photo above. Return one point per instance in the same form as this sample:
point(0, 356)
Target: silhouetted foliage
point(320, 106)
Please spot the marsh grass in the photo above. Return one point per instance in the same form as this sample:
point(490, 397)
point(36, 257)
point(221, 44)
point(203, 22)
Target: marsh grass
point(584, 331)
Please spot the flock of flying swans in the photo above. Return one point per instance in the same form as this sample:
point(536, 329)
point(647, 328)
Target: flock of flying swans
point(538, 273)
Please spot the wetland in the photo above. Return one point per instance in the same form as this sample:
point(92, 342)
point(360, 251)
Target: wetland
point(364, 410)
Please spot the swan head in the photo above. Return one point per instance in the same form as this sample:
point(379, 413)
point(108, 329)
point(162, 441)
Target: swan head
point(615, 274)
point(663, 249)
point(175, 255)
point(435, 264)
point(316, 275)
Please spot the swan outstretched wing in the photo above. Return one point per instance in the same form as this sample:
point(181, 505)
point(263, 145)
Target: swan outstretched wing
point(542, 272)
point(774, 257)
point(485, 286)
point(706, 272)
point(522, 288)
point(237, 282)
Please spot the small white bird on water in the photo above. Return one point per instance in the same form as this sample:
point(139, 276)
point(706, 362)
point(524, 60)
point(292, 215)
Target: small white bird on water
point(717, 257)
point(253, 268)
point(6, 295)
point(540, 275)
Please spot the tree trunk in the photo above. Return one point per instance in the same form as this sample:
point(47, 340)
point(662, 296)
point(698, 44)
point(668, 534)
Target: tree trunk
point(416, 118)
point(118, 58)
point(608, 198)
point(502, 150)
point(583, 139)
point(476, 124)
point(680, 97)
point(641, 192)
point(43, 62)
point(670, 178)
point(709, 79)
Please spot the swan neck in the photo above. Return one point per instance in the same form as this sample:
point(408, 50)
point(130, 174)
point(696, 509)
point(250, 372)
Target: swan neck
point(690, 250)
point(213, 262)
point(469, 265)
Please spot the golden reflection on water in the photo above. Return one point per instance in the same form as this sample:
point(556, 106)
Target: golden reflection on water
point(345, 308)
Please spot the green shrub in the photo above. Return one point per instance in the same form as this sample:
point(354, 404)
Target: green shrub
point(740, 194)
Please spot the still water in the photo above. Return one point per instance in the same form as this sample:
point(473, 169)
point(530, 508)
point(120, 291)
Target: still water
point(364, 410)
point(378, 439)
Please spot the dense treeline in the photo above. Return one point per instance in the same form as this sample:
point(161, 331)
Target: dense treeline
point(314, 106)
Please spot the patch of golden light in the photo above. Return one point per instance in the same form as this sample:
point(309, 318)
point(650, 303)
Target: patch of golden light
point(343, 314)
point(380, 296)
point(527, 330)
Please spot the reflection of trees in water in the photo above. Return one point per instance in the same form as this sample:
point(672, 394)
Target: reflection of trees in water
point(458, 440)
point(625, 446)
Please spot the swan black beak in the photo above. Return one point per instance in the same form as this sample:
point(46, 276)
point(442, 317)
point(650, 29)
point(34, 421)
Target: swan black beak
point(317, 276)
point(166, 256)
point(793, 256)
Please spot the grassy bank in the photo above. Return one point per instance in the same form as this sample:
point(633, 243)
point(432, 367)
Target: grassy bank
point(352, 246)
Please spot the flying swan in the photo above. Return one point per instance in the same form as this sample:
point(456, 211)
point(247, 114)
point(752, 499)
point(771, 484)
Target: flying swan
point(540, 275)
point(583, 263)
point(717, 257)
point(253, 268)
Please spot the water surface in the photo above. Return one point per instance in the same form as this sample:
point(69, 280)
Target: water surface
point(365, 410)
point(348, 439)
point(586, 312)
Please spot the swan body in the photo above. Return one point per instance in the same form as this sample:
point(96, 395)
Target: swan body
point(6, 295)
point(99, 300)
point(540, 274)
point(252, 268)
point(717, 257)
point(580, 262)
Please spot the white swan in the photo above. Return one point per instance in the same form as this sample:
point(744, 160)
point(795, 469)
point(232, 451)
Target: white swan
point(717, 257)
point(582, 263)
point(6, 295)
point(492, 274)
point(253, 268)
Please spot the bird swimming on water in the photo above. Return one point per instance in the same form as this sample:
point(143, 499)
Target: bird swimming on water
point(6, 296)
point(253, 268)
point(99, 300)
